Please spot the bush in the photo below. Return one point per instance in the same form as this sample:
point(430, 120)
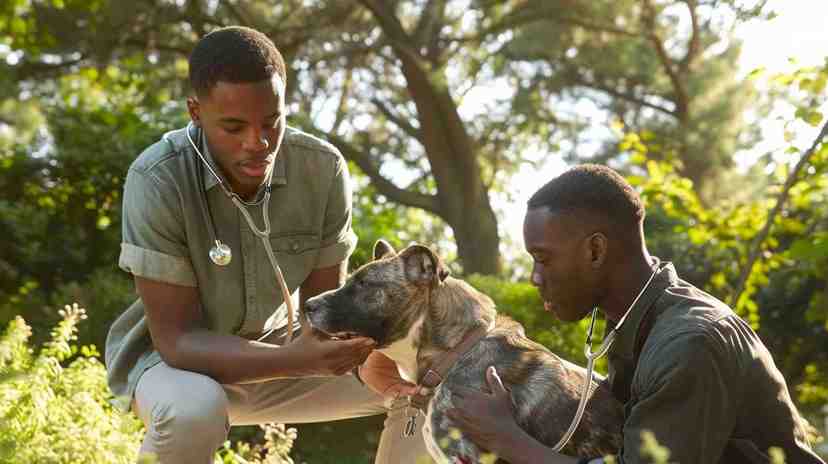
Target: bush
point(55, 413)
point(55, 406)
point(521, 302)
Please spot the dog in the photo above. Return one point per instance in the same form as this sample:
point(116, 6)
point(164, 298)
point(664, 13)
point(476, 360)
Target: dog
point(418, 314)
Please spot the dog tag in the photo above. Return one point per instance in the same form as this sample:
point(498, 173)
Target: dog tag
point(410, 426)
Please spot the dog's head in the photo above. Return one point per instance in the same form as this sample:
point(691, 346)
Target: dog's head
point(381, 299)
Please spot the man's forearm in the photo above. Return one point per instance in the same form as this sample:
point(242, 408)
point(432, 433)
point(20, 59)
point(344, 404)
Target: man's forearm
point(233, 359)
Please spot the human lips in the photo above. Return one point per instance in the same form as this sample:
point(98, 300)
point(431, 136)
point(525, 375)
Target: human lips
point(256, 168)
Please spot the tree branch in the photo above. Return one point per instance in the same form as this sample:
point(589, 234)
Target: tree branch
point(694, 43)
point(682, 100)
point(342, 108)
point(429, 28)
point(383, 185)
point(393, 29)
point(526, 15)
point(399, 122)
point(145, 45)
point(628, 96)
point(29, 69)
point(756, 245)
point(238, 11)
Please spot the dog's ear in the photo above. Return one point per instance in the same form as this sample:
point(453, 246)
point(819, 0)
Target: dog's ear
point(382, 248)
point(423, 266)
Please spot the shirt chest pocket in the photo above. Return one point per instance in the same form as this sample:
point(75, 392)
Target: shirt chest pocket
point(295, 243)
point(296, 254)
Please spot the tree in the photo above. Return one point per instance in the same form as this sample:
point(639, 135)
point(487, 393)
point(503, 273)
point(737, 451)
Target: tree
point(663, 69)
point(387, 82)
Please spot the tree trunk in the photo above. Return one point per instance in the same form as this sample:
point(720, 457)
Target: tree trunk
point(462, 198)
point(477, 239)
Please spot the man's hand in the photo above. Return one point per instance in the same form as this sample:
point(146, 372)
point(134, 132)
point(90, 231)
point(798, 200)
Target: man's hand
point(322, 356)
point(488, 419)
point(380, 374)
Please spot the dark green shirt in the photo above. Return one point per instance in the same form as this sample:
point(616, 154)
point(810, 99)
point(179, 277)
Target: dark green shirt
point(705, 384)
point(169, 197)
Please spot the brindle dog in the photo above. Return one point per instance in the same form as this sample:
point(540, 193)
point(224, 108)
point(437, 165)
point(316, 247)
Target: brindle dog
point(407, 303)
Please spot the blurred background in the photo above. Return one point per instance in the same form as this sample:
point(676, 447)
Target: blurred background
point(450, 113)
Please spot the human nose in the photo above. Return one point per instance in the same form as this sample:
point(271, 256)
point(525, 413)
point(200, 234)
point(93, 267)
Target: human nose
point(255, 141)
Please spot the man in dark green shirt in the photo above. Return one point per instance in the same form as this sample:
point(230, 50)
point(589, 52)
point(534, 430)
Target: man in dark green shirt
point(685, 366)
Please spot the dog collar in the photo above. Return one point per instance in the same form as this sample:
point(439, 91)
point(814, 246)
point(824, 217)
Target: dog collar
point(437, 371)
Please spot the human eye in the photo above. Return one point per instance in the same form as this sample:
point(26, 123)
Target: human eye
point(232, 129)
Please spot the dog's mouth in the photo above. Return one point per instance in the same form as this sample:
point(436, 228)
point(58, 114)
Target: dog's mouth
point(341, 335)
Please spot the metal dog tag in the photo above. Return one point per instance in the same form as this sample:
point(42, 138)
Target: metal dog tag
point(410, 427)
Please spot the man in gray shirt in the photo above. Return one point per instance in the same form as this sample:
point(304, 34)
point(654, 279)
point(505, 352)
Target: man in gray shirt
point(204, 347)
point(685, 366)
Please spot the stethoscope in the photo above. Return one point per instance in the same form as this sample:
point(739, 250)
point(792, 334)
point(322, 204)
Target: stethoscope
point(594, 356)
point(221, 254)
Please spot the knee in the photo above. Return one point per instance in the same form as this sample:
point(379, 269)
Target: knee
point(196, 416)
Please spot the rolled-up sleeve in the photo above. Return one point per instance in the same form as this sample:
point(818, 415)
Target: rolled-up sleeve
point(681, 395)
point(154, 240)
point(338, 237)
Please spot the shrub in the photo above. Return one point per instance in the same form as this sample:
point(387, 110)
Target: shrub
point(521, 302)
point(55, 406)
point(57, 413)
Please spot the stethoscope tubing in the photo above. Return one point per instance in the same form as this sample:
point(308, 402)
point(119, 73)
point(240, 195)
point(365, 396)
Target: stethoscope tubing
point(263, 234)
point(591, 358)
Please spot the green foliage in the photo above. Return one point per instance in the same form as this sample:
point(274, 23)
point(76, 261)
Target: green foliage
point(784, 291)
point(107, 289)
point(78, 102)
point(54, 403)
point(640, 65)
point(55, 406)
point(521, 302)
point(652, 450)
point(278, 442)
point(60, 202)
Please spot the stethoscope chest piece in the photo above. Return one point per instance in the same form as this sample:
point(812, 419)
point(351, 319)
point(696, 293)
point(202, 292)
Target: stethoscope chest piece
point(221, 254)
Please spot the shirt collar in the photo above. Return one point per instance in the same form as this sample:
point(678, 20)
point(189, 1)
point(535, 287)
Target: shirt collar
point(210, 181)
point(624, 345)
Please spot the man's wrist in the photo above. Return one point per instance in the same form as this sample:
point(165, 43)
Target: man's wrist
point(355, 373)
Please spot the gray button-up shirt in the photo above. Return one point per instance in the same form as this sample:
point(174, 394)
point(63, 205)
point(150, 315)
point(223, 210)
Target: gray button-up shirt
point(704, 384)
point(170, 198)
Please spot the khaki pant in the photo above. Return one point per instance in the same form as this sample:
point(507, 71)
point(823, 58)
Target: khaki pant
point(188, 415)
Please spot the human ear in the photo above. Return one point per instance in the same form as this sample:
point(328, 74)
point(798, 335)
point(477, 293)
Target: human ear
point(597, 249)
point(194, 109)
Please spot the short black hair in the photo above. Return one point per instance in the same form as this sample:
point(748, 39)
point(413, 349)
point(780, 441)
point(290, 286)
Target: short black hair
point(234, 54)
point(591, 188)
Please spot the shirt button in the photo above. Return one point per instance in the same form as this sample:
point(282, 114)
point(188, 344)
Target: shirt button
point(294, 246)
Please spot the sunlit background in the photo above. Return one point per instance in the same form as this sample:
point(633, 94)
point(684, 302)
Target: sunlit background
point(797, 36)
